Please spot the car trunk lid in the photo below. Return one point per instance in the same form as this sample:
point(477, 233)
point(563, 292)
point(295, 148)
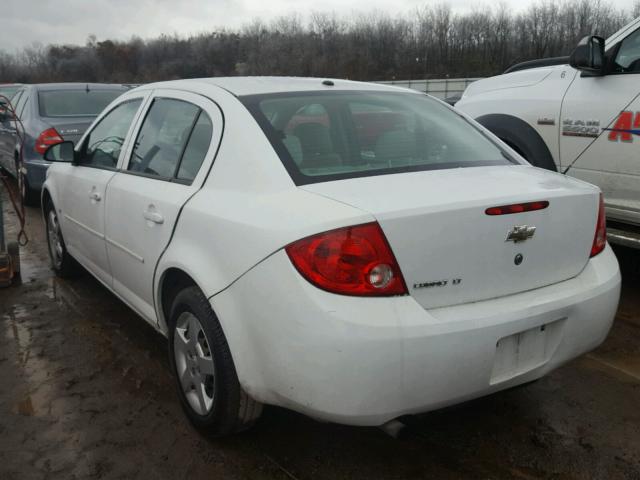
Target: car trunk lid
point(451, 251)
point(70, 129)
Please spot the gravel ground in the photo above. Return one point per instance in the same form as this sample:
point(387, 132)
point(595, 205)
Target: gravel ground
point(86, 393)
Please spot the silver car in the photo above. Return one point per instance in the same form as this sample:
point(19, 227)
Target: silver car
point(49, 114)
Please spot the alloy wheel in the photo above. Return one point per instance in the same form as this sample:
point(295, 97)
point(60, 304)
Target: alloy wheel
point(194, 363)
point(54, 239)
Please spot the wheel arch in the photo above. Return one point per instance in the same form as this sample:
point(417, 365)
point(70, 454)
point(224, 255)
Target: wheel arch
point(172, 281)
point(521, 137)
point(49, 196)
point(46, 199)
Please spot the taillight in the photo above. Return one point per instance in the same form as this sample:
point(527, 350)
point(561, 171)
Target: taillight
point(517, 208)
point(47, 138)
point(600, 239)
point(351, 261)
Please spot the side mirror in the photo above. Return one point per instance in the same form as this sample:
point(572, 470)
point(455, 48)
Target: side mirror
point(60, 152)
point(588, 56)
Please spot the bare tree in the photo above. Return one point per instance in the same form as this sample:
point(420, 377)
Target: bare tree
point(430, 41)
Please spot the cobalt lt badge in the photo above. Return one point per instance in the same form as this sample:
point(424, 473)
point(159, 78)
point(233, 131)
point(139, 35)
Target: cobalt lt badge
point(520, 233)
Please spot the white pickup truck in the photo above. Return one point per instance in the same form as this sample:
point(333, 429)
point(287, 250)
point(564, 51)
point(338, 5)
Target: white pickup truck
point(578, 115)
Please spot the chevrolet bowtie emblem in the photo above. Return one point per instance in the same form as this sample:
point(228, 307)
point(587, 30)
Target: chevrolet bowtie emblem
point(520, 233)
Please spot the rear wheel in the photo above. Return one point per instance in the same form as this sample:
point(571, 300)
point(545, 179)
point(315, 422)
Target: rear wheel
point(62, 263)
point(206, 378)
point(28, 195)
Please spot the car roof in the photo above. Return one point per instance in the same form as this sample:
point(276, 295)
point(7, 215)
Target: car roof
point(242, 86)
point(77, 85)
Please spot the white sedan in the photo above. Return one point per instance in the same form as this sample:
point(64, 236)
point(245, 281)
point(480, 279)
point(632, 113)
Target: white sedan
point(351, 251)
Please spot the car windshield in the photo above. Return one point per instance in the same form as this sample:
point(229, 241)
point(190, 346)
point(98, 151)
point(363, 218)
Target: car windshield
point(75, 103)
point(323, 136)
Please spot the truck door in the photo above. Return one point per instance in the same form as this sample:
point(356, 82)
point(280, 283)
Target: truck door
point(600, 130)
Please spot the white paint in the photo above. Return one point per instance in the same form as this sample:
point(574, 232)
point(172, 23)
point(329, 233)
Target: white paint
point(561, 93)
point(348, 359)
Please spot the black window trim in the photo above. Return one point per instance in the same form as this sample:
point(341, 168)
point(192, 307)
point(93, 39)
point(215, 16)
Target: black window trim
point(186, 144)
point(172, 179)
point(252, 103)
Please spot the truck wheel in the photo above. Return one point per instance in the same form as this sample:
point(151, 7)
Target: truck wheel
point(206, 378)
point(521, 137)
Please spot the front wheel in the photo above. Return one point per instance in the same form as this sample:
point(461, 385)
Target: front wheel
point(206, 378)
point(62, 263)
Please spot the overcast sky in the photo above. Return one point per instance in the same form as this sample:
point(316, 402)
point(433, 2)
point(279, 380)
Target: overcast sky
point(72, 21)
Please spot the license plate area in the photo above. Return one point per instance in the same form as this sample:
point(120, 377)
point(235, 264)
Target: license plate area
point(525, 351)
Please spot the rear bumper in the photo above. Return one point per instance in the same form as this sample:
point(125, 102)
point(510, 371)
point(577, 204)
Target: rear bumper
point(366, 361)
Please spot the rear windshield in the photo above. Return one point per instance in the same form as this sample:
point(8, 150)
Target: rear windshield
point(323, 136)
point(75, 103)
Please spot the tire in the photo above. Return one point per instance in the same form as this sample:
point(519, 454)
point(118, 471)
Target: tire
point(63, 264)
point(29, 196)
point(201, 362)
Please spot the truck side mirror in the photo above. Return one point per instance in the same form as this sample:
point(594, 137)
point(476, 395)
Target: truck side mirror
point(588, 57)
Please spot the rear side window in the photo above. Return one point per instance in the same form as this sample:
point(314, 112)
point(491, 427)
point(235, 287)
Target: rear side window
point(172, 141)
point(75, 103)
point(17, 102)
point(324, 136)
point(196, 149)
point(21, 108)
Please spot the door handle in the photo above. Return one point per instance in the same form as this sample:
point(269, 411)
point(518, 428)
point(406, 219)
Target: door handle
point(95, 196)
point(154, 217)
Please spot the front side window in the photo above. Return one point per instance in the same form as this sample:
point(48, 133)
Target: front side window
point(628, 57)
point(323, 136)
point(15, 102)
point(103, 144)
point(75, 103)
point(163, 138)
point(21, 108)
